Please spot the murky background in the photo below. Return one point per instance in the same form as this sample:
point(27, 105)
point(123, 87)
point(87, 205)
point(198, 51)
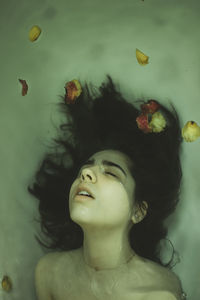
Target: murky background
point(86, 39)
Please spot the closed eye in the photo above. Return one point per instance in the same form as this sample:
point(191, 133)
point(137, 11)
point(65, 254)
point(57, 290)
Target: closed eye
point(111, 174)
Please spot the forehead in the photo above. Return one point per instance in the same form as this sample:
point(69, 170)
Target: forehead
point(113, 155)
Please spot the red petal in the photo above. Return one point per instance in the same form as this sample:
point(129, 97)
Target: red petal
point(24, 87)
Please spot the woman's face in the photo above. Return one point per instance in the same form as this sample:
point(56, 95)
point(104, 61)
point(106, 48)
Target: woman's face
point(112, 187)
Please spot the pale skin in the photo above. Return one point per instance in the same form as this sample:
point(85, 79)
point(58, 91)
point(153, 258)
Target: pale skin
point(106, 219)
point(106, 267)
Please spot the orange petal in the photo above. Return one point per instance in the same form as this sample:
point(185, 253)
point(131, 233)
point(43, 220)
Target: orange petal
point(73, 90)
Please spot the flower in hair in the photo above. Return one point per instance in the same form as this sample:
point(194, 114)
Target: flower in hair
point(149, 110)
point(158, 122)
point(73, 90)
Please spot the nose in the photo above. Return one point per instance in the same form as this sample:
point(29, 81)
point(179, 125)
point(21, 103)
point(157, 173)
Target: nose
point(88, 175)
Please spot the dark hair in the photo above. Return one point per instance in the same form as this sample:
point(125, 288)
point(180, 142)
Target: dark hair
point(96, 122)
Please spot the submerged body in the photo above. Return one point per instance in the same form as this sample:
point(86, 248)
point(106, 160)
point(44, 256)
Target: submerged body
point(105, 267)
point(121, 186)
point(67, 277)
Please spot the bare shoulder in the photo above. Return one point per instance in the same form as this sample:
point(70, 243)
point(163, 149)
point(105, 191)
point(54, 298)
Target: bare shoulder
point(165, 280)
point(43, 275)
point(47, 261)
point(50, 261)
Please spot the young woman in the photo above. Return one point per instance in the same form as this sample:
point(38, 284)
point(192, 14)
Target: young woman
point(104, 193)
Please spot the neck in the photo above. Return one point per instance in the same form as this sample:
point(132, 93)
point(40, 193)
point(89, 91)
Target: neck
point(106, 249)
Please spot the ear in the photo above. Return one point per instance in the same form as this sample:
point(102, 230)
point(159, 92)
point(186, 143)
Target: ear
point(140, 213)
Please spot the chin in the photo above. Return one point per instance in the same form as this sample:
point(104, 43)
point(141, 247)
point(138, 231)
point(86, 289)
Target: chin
point(81, 216)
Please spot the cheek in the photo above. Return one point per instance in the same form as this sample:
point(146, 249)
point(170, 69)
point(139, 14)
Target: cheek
point(115, 198)
point(72, 190)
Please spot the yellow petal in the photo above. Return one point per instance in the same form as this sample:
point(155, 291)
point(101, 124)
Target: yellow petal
point(34, 33)
point(6, 284)
point(78, 86)
point(158, 122)
point(141, 58)
point(191, 131)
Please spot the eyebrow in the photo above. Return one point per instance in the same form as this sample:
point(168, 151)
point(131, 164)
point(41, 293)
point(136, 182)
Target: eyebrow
point(106, 163)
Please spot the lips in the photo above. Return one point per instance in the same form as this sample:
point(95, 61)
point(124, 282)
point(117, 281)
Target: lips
point(84, 188)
